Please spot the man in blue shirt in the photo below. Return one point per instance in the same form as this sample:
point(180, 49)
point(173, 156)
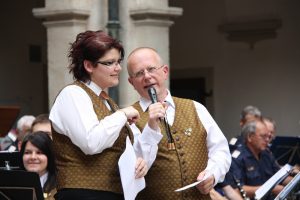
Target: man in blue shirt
point(253, 164)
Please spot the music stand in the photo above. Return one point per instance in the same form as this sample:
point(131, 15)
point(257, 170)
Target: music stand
point(291, 186)
point(10, 160)
point(16, 184)
point(264, 191)
point(8, 115)
point(286, 150)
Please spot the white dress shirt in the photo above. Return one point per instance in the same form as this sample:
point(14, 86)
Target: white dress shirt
point(219, 158)
point(73, 115)
point(43, 179)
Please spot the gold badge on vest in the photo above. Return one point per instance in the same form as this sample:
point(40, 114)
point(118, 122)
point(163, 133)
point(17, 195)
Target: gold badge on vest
point(188, 132)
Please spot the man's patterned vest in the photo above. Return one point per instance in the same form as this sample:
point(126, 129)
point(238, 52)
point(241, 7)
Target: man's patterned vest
point(97, 172)
point(173, 169)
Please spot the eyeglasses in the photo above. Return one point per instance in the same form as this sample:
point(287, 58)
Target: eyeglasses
point(265, 136)
point(110, 64)
point(149, 69)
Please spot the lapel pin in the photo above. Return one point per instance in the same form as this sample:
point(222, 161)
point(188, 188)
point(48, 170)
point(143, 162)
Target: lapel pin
point(188, 132)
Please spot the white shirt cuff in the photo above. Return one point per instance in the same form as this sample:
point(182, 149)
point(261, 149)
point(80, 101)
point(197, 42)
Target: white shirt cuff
point(150, 136)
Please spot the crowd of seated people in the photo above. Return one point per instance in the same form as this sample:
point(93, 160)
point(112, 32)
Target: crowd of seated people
point(32, 138)
point(229, 188)
point(25, 124)
point(252, 161)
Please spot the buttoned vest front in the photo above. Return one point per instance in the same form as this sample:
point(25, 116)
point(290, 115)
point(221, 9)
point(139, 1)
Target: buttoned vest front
point(173, 169)
point(97, 172)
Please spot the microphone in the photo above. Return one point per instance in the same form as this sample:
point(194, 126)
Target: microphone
point(153, 96)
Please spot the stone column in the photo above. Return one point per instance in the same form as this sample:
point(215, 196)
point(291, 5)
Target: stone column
point(64, 19)
point(144, 23)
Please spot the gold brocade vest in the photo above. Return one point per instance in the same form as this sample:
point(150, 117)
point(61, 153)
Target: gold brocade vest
point(173, 169)
point(97, 172)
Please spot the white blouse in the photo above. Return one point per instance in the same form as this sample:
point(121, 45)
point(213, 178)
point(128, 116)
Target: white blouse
point(73, 115)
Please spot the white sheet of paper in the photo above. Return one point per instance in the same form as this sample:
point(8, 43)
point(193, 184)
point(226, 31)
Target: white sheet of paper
point(262, 190)
point(131, 185)
point(192, 184)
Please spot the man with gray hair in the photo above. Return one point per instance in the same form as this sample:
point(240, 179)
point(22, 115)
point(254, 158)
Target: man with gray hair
point(252, 163)
point(12, 141)
point(271, 126)
point(249, 113)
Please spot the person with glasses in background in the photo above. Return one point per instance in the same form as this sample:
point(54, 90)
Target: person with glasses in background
point(198, 147)
point(89, 130)
point(252, 163)
point(271, 126)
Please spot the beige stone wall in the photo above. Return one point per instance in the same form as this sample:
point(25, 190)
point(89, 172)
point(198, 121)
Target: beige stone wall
point(63, 21)
point(144, 23)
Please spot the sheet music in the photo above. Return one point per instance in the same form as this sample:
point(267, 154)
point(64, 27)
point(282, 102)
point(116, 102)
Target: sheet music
point(273, 181)
point(193, 184)
point(131, 185)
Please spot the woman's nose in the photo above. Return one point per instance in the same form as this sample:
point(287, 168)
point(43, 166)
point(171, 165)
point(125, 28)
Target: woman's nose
point(118, 67)
point(33, 155)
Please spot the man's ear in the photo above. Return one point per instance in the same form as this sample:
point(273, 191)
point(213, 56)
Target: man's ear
point(166, 70)
point(130, 80)
point(249, 137)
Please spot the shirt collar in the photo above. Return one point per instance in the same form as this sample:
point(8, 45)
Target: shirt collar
point(170, 100)
point(145, 103)
point(250, 154)
point(94, 87)
point(43, 179)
